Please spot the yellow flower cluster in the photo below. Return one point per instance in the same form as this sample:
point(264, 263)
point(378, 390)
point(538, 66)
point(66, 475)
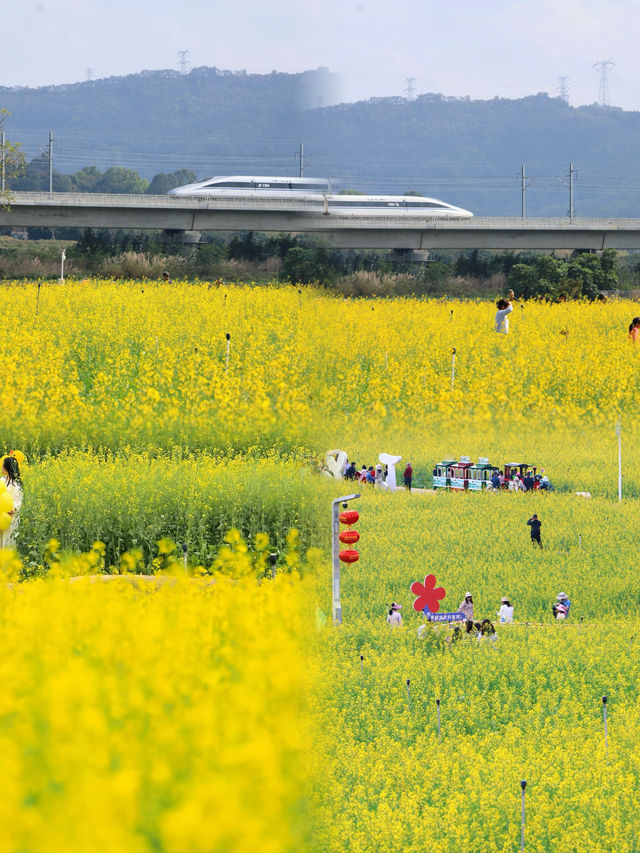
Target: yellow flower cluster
point(170, 716)
point(527, 707)
point(146, 364)
point(137, 718)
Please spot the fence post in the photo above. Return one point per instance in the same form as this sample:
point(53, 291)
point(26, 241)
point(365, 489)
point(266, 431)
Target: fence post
point(523, 785)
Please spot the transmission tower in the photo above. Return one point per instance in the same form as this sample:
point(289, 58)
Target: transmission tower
point(410, 88)
point(603, 92)
point(88, 73)
point(563, 88)
point(183, 62)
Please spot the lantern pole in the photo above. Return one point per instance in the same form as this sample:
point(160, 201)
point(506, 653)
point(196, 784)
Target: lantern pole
point(335, 554)
point(619, 434)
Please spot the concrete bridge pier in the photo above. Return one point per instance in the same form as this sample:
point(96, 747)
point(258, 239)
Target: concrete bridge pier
point(405, 257)
point(176, 235)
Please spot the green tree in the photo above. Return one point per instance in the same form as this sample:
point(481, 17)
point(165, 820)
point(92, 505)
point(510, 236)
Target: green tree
point(12, 159)
point(86, 179)
point(117, 179)
point(162, 183)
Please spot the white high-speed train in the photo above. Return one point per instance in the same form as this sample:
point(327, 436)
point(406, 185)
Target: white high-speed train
point(315, 194)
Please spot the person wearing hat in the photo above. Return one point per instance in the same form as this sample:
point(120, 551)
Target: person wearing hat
point(394, 617)
point(505, 614)
point(467, 607)
point(561, 607)
point(379, 475)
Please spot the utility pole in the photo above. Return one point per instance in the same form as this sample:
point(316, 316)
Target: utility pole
point(572, 172)
point(409, 88)
point(604, 66)
point(563, 88)
point(301, 156)
point(523, 189)
point(50, 161)
point(183, 62)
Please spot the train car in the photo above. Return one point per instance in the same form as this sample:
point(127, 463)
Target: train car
point(316, 195)
point(441, 474)
point(480, 474)
point(252, 186)
point(517, 469)
point(459, 474)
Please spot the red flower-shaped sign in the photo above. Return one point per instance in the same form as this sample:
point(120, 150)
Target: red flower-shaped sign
point(429, 595)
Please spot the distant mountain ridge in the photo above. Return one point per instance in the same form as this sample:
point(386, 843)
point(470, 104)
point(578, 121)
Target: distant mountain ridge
point(218, 122)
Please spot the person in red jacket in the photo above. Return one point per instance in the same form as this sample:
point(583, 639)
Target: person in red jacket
point(408, 474)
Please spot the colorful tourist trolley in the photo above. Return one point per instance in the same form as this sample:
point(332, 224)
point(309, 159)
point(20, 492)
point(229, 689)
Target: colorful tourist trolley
point(441, 476)
point(480, 474)
point(459, 474)
point(463, 475)
point(519, 469)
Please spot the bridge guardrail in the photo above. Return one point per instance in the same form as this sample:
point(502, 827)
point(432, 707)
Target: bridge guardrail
point(297, 205)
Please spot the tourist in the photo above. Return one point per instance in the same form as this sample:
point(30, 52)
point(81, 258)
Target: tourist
point(634, 330)
point(379, 475)
point(370, 476)
point(166, 276)
point(394, 617)
point(11, 474)
point(529, 481)
point(361, 476)
point(561, 606)
point(350, 473)
point(467, 607)
point(535, 524)
point(408, 474)
point(502, 316)
point(485, 630)
point(545, 485)
point(505, 614)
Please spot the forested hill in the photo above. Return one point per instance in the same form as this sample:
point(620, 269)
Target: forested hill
point(216, 122)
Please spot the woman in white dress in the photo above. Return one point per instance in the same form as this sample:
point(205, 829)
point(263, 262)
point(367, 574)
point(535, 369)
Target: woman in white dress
point(505, 614)
point(11, 473)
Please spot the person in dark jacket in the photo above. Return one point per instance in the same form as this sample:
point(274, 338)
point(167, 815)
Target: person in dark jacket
point(408, 474)
point(535, 524)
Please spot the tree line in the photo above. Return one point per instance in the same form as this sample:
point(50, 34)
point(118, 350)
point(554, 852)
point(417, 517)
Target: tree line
point(34, 176)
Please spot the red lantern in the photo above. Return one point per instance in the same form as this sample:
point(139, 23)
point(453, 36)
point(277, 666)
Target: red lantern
point(349, 555)
point(349, 516)
point(349, 536)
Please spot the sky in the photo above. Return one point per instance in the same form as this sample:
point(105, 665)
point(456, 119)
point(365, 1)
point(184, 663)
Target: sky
point(476, 48)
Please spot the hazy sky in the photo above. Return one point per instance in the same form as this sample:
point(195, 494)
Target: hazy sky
point(481, 48)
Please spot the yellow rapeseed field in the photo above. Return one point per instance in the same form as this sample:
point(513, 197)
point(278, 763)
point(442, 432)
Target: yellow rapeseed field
point(145, 364)
point(214, 713)
point(140, 719)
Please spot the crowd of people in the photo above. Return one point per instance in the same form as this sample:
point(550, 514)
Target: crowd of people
point(375, 475)
point(484, 627)
point(527, 482)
